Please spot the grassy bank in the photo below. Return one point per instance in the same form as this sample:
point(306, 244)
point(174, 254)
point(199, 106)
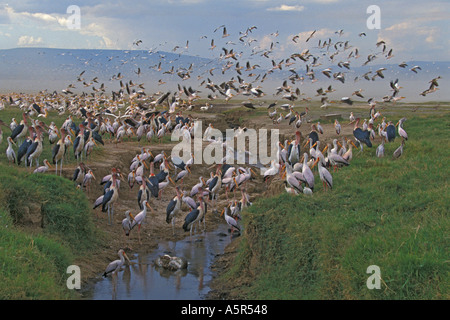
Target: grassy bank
point(45, 225)
point(384, 212)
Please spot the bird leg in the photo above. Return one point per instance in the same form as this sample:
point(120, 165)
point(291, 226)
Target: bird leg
point(139, 233)
point(112, 213)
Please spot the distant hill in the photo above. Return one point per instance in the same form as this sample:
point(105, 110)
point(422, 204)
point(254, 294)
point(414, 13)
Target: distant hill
point(35, 69)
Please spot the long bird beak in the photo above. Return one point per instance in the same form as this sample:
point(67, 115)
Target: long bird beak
point(306, 143)
point(170, 179)
point(132, 217)
point(148, 206)
point(339, 144)
point(353, 144)
point(128, 259)
point(315, 162)
point(324, 149)
point(145, 165)
point(397, 123)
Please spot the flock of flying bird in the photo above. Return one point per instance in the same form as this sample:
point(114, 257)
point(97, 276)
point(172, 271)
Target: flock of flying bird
point(93, 117)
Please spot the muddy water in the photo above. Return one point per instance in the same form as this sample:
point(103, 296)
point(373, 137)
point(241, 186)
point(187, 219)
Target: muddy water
point(144, 281)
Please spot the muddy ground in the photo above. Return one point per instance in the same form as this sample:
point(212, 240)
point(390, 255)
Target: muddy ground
point(155, 228)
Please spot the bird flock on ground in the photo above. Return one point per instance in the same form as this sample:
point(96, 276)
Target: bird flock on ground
point(95, 118)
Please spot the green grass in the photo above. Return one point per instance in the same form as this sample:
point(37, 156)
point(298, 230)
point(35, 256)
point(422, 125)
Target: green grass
point(34, 259)
point(384, 212)
point(31, 267)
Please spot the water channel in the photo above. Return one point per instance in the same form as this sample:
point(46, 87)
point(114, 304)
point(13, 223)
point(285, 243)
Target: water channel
point(144, 281)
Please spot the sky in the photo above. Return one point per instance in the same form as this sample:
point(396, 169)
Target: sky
point(418, 30)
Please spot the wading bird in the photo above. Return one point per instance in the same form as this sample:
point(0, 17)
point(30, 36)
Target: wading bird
point(114, 267)
point(232, 222)
point(139, 219)
point(58, 152)
point(173, 208)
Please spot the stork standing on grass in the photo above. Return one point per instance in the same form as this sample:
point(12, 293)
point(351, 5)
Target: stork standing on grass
point(401, 132)
point(58, 151)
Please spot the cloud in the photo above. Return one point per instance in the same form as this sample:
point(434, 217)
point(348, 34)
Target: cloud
point(54, 20)
point(285, 7)
point(28, 41)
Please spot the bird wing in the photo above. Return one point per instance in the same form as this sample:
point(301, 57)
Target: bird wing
point(170, 208)
point(106, 198)
point(190, 218)
point(16, 131)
